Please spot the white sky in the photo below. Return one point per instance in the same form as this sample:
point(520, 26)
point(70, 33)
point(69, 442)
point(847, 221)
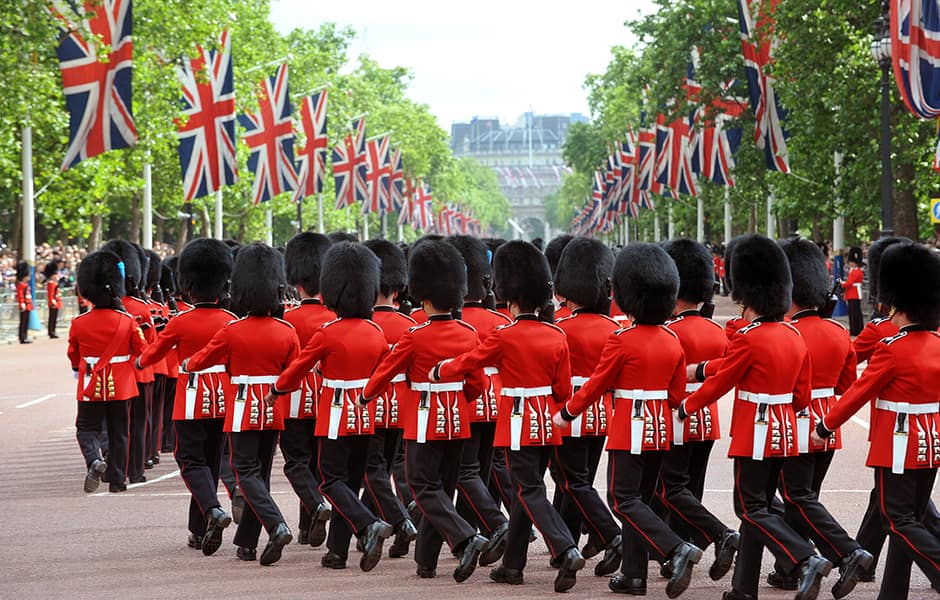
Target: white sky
point(483, 57)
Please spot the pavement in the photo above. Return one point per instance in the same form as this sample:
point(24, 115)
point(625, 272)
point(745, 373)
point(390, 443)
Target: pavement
point(58, 542)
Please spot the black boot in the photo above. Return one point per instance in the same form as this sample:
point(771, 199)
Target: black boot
point(374, 536)
point(503, 574)
point(571, 562)
point(469, 557)
point(316, 535)
point(852, 566)
point(496, 545)
point(611, 560)
point(683, 558)
point(216, 520)
point(280, 537)
point(725, 548)
point(812, 570)
point(632, 586)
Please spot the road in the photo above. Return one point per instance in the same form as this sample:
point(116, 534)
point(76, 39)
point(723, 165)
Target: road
point(58, 542)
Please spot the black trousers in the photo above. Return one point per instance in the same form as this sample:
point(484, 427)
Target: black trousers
point(198, 453)
point(112, 415)
point(24, 325)
point(903, 501)
point(574, 467)
point(53, 319)
point(872, 533)
point(531, 506)
point(401, 480)
point(755, 482)
point(855, 317)
point(139, 416)
point(432, 470)
point(168, 430)
point(679, 491)
point(474, 502)
point(379, 496)
point(500, 482)
point(342, 468)
point(631, 483)
point(299, 448)
point(226, 474)
point(155, 420)
point(251, 454)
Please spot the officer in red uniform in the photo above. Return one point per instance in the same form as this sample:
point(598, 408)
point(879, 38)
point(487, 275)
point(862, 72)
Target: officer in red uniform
point(532, 357)
point(645, 366)
point(682, 480)
point(53, 295)
point(173, 305)
point(436, 414)
point(853, 290)
point(583, 277)
point(102, 344)
point(302, 261)
point(833, 367)
point(24, 299)
point(901, 383)
point(199, 404)
point(160, 315)
point(253, 425)
point(767, 361)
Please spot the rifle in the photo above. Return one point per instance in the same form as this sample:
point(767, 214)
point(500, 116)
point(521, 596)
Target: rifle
point(826, 310)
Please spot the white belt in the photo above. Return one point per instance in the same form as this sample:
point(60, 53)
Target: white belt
point(524, 392)
point(206, 371)
point(641, 394)
point(398, 378)
point(427, 386)
point(638, 421)
point(907, 408)
point(760, 417)
point(903, 410)
point(254, 379)
point(823, 393)
point(765, 398)
point(344, 384)
point(192, 385)
point(93, 360)
point(691, 387)
point(577, 383)
point(490, 371)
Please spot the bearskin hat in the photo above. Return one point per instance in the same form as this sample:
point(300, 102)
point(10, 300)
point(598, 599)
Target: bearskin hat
point(584, 274)
point(539, 243)
point(875, 251)
point(349, 280)
point(909, 281)
point(303, 259)
point(855, 255)
point(477, 258)
point(554, 249)
point(258, 280)
point(522, 275)
point(204, 269)
point(22, 270)
point(336, 237)
point(696, 270)
point(646, 283)
point(760, 276)
point(154, 269)
point(131, 259)
point(394, 266)
point(100, 280)
point(168, 275)
point(808, 272)
point(437, 273)
point(51, 268)
point(729, 252)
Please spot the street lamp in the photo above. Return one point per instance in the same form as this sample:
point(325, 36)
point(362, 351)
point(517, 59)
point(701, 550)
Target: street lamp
point(881, 51)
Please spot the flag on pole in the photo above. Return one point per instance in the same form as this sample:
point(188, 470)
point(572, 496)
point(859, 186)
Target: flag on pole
point(349, 169)
point(915, 52)
point(406, 213)
point(96, 76)
point(425, 207)
point(396, 182)
point(269, 135)
point(378, 172)
point(311, 158)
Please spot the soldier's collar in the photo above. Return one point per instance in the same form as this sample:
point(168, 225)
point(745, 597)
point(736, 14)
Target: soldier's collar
point(527, 317)
point(383, 308)
point(809, 312)
point(692, 312)
point(206, 305)
point(473, 304)
point(441, 317)
point(310, 301)
point(914, 327)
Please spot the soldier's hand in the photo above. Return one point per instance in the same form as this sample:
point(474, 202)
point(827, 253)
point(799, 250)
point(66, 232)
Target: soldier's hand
point(690, 373)
point(362, 400)
point(270, 399)
point(816, 438)
point(559, 421)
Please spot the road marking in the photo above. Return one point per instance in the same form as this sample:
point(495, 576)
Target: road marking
point(36, 401)
point(861, 422)
point(168, 494)
point(148, 482)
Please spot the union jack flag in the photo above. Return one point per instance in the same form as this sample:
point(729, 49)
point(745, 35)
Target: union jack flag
point(716, 143)
point(349, 166)
point(269, 135)
point(406, 212)
point(674, 165)
point(628, 165)
point(424, 206)
point(915, 52)
point(378, 172)
point(207, 134)
point(311, 158)
point(396, 182)
point(96, 76)
point(646, 184)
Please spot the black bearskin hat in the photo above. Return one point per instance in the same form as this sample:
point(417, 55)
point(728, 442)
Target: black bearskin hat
point(336, 237)
point(875, 251)
point(522, 275)
point(22, 270)
point(100, 280)
point(554, 249)
point(168, 275)
point(584, 274)
point(696, 270)
point(646, 283)
point(909, 282)
point(729, 252)
point(855, 255)
point(437, 273)
point(154, 269)
point(131, 259)
point(539, 243)
point(808, 272)
point(394, 265)
point(204, 269)
point(258, 281)
point(760, 276)
point(51, 268)
point(477, 258)
point(349, 280)
point(303, 259)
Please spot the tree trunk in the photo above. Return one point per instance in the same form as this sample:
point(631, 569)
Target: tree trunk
point(181, 237)
point(817, 231)
point(136, 219)
point(752, 219)
point(94, 239)
point(905, 204)
point(158, 230)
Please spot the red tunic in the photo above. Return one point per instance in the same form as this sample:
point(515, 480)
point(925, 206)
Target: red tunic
point(734, 324)
point(764, 358)
point(306, 319)
point(415, 354)
point(254, 350)
point(901, 378)
point(485, 322)
point(535, 370)
point(587, 333)
point(140, 310)
point(394, 325)
point(418, 316)
point(617, 314)
point(53, 294)
point(198, 395)
point(91, 335)
point(159, 312)
point(853, 284)
point(701, 339)
point(867, 341)
point(641, 360)
point(24, 296)
point(563, 312)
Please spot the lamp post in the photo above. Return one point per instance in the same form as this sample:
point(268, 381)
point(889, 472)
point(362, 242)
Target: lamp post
point(881, 51)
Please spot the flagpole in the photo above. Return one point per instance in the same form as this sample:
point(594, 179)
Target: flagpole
point(727, 214)
point(147, 236)
point(657, 228)
point(269, 226)
point(838, 224)
point(300, 214)
point(320, 213)
point(770, 213)
point(365, 226)
point(29, 218)
point(218, 214)
point(670, 225)
point(268, 64)
point(401, 232)
point(700, 220)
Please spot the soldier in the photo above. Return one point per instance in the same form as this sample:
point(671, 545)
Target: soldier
point(160, 315)
point(102, 343)
point(437, 414)
point(199, 403)
point(768, 362)
point(532, 357)
point(682, 480)
point(853, 290)
point(348, 350)
point(24, 299)
point(53, 295)
point(174, 306)
point(303, 258)
point(645, 366)
point(553, 253)
point(901, 383)
point(252, 424)
point(583, 277)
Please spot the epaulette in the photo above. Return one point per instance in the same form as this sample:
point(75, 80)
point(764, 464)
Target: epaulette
point(406, 317)
point(879, 320)
point(748, 327)
point(713, 322)
point(507, 325)
point(467, 325)
point(284, 322)
point(419, 326)
point(623, 330)
point(843, 327)
point(553, 326)
point(792, 328)
point(328, 323)
point(611, 320)
point(501, 315)
point(675, 320)
point(376, 325)
point(568, 318)
point(890, 340)
point(671, 332)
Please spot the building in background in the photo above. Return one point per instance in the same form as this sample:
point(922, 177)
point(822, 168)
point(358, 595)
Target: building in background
point(527, 159)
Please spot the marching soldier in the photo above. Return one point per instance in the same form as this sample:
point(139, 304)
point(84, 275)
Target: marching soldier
point(252, 424)
point(160, 315)
point(53, 295)
point(24, 299)
point(901, 384)
point(853, 290)
point(174, 306)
